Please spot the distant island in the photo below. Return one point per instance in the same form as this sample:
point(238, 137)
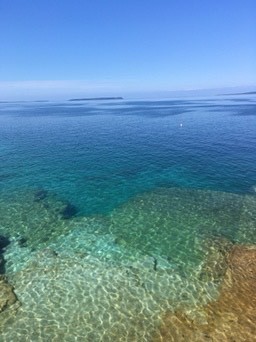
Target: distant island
point(24, 101)
point(97, 98)
point(246, 93)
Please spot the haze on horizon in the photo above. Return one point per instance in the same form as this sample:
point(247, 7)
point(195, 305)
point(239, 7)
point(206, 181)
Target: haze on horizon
point(71, 49)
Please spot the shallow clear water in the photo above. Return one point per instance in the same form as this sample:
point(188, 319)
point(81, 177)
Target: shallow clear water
point(121, 208)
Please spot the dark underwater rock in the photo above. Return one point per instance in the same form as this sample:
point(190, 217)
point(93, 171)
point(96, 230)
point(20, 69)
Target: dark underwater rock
point(40, 195)
point(22, 241)
point(68, 211)
point(34, 218)
point(4, 242)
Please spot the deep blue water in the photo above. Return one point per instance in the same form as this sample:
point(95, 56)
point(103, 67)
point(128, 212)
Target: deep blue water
point(97, 155)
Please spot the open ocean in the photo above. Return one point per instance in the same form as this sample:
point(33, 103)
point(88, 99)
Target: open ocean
point(113, 213)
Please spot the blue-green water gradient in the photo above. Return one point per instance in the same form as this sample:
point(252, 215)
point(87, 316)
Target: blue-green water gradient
point(99, 154)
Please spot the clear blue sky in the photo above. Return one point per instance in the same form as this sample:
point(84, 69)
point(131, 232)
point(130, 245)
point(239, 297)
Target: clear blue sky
point(102, 46)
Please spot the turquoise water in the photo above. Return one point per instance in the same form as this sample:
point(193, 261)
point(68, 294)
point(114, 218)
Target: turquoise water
point(122, 208)
point(99, 155)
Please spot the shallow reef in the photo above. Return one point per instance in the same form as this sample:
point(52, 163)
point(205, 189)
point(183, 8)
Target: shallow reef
point(169, 265)
point(34, 217)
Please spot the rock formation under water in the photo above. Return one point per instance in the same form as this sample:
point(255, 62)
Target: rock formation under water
point(7, 296)
point(232, 317)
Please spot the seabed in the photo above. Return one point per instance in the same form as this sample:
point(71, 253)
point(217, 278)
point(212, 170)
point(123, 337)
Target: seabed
point(169, 265)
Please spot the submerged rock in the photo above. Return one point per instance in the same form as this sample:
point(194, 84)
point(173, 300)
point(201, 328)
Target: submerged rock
point(4, 242)
point(34, 217)
point(40, 195)
point(68, 211)
point(9, 304)
point(7, 295)
point(215, 262)
point(127, 272)
point(231, 317)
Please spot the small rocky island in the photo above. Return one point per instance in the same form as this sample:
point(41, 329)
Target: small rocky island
point(97, 98)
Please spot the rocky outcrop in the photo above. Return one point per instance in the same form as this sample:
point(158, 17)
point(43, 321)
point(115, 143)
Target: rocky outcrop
point(7, 295)
point(231, 317)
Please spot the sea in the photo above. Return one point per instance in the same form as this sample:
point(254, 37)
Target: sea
point(114, 212)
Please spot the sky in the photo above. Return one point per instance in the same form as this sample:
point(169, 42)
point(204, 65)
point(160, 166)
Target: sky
point(65, 48)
